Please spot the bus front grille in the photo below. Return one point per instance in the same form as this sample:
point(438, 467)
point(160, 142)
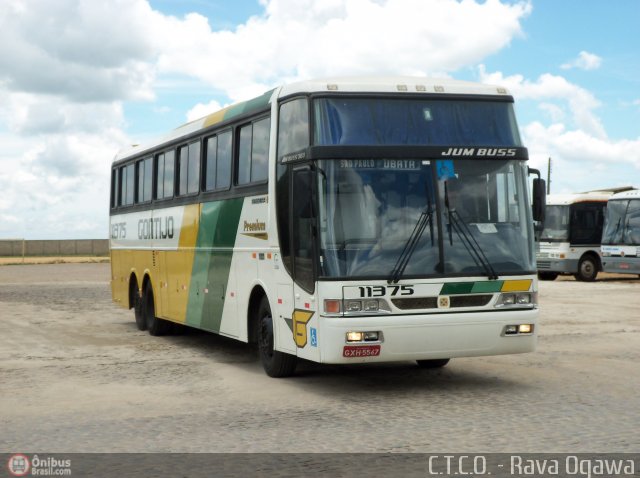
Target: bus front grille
point(414, 303)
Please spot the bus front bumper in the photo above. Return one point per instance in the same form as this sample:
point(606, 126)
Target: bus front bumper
point(565, 266)
point(424, 337)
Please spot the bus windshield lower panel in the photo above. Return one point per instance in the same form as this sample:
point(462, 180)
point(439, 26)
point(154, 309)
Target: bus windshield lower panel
point(454, 216)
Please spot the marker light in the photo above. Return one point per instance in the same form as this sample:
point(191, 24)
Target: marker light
point(332, 306)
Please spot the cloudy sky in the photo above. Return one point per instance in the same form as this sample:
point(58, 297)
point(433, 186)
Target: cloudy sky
point(81, 79)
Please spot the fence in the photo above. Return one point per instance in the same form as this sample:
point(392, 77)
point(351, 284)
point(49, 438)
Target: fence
point(71, 247)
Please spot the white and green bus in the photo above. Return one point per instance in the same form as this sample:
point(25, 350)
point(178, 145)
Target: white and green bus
point(338, 221)
point(570, 239)
point(621, 235)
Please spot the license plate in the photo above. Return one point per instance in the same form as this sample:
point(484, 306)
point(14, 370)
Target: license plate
point(354, 351)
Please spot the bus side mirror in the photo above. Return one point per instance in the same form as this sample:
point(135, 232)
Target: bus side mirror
point(539, 199)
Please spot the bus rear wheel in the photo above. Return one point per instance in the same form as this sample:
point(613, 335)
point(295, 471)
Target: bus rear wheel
point(547, 275)
point(155, 325)
point(138, 310)
point(276, 364)
point(433, 363)
point(587, 269)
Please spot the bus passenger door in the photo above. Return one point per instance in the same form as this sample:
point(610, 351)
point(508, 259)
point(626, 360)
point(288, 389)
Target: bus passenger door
point(303, 244)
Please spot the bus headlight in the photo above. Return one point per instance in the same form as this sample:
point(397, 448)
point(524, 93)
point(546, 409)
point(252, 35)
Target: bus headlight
point(517, 299)
point(337, 307)
point(352, 306)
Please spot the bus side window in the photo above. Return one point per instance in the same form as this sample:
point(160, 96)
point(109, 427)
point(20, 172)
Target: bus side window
point(189, 171)
point(253, 152)
point(127, 185)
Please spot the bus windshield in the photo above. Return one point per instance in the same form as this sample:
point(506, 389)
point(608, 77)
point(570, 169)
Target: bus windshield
point(369, 209)
point(556, 224)
point(362, 121)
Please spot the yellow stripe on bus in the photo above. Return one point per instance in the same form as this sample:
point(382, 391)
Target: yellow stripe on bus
point(516, 285)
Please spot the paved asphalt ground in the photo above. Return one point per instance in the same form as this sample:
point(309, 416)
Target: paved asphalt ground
point(77, 376)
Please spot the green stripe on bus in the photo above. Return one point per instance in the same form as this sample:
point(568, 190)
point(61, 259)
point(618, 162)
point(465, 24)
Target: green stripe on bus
point(483, 287)
point(487, 286)
point(452, 288)
point(212, 262)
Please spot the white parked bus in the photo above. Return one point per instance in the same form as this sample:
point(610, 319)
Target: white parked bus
point(621, 236)
point(570, 240)
point(337, 221)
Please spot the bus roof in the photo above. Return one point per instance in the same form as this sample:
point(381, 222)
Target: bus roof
point(372, 84)
point(567, 199)
point(632, 194)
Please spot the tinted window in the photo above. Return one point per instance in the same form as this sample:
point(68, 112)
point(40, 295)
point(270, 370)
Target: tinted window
point(586, 223)
point(114, 188)
point(145, 182)
point(210, 165)
point(260, 151)
point(632, 234)
point(169, 173)
point(127, 185)
point(244, 155)
point(164, 175)
point(193, 184)
point(218, 162)
point(293, 128)
point(360, 121)
point(189, 174)
point(253, 152)
point(223, 171)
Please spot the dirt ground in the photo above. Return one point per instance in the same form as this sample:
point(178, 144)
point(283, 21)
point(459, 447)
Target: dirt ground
point(77, 376)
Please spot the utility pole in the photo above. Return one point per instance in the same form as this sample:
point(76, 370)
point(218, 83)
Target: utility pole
point(549, 177)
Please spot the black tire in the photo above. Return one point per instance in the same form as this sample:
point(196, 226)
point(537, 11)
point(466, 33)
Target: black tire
point(433, 363)
point(547, 275)
point(587, 269)
point(276, 364)
point(138, 310)
point(155, 326)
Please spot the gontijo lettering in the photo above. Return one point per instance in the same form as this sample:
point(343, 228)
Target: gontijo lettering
point(156, 228)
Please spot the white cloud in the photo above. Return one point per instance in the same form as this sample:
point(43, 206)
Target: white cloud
point(78, 49)
point(584, 61)
point(580, 102)
point(581, 161)
point(313, 38)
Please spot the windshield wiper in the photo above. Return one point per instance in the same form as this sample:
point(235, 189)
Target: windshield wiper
point(426, 218)
point(457, 224)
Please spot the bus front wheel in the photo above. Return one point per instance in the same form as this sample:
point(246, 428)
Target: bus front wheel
point(276, 364)
point(587, 269)
point(434, 363)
